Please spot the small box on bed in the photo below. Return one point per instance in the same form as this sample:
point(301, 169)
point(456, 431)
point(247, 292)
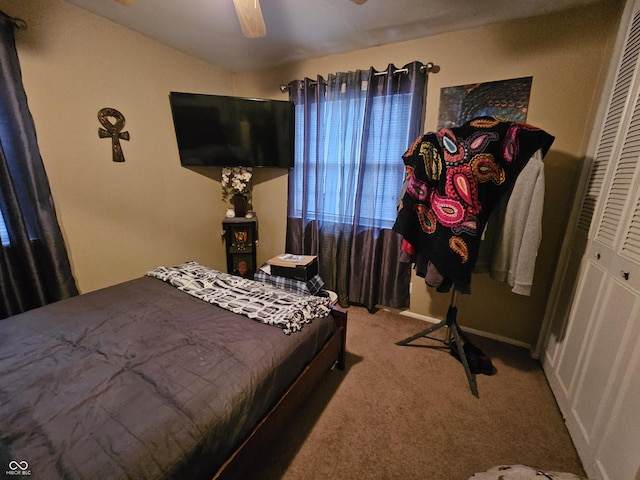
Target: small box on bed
point(298, 267)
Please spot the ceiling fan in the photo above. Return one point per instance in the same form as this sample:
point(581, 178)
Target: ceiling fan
point(249, 14)
point(251, 19)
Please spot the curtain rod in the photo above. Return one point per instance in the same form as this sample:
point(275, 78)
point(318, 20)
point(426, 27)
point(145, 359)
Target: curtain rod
point(429, 68)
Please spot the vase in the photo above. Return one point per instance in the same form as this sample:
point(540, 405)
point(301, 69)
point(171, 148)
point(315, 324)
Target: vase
point(239, 205)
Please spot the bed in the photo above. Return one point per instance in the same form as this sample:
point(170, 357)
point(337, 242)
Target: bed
point(144, 380)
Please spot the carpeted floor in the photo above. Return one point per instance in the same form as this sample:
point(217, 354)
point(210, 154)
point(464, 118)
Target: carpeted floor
point(406, 412)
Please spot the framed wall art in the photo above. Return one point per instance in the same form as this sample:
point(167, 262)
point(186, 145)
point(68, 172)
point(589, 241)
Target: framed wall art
point(508, 99)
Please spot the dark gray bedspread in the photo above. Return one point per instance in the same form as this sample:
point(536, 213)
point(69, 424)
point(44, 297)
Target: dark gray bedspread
point(139, 381)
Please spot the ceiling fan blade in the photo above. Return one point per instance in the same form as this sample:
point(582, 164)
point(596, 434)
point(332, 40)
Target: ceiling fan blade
point(359, 2)
point(126, 2)
point(250, 16)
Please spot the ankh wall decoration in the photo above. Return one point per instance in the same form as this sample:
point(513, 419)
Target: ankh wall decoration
point(113, 122)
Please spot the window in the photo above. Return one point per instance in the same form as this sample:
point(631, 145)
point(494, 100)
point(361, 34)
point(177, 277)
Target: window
point(18, 193)
point(379, 169)
point(4, 234)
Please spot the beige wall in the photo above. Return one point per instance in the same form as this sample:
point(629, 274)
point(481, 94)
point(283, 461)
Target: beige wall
point(120, 219)
point(567, 56)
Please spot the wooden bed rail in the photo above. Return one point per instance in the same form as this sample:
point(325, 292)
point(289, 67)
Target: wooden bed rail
point(239, 465)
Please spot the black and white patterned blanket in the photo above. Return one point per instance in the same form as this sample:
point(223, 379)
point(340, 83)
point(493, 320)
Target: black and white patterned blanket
point(258, 301)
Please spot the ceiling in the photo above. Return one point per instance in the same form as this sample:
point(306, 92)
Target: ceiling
point(302, 29)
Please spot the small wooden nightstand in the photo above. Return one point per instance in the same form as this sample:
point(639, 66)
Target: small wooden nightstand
point(241, 239)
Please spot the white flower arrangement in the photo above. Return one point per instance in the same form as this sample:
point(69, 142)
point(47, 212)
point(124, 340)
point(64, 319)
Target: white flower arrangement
point(236, 180)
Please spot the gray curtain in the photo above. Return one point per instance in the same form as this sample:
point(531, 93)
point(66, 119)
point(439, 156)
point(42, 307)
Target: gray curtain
point(351, 132)
point(34, 266)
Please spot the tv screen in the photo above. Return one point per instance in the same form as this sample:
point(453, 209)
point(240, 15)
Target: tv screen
point(223, 131)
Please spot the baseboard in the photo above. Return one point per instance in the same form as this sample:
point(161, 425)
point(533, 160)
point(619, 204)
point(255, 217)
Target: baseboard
point(472, 331)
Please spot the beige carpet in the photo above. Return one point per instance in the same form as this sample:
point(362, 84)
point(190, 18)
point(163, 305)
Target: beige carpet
point(404, 412)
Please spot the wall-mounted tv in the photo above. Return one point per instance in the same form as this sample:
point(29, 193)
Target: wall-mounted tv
point(224, 131)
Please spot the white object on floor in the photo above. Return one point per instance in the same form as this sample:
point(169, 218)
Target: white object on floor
point(522, 472)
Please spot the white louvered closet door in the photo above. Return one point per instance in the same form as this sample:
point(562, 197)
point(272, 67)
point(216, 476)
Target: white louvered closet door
point(592, 357)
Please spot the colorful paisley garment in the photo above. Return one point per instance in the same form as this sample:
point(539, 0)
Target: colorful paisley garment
point(449, 211)
point(432, 161)
point(454, 152)
point(479, 141)
point(427, 219)
point(417, 189)
point(461, 184)
point(455, 177)
point(459, 246)
point(485, 169)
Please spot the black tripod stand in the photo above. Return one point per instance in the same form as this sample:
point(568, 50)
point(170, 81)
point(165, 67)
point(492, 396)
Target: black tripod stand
point(453, 331)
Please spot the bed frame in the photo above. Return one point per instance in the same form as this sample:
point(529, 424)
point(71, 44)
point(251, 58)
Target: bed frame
point(261, 438)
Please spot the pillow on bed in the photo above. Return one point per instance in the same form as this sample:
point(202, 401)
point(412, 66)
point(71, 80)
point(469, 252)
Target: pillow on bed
point(310, 287)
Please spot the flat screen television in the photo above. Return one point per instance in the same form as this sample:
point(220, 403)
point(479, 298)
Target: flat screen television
point(224, 131)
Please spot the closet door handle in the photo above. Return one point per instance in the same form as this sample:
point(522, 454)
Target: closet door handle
point(625, 275)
